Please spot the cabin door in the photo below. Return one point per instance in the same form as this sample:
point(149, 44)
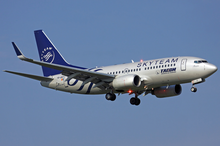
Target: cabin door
point(183, 65)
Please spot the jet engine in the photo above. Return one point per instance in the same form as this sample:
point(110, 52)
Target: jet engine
point(126, 82)
point(169, 91)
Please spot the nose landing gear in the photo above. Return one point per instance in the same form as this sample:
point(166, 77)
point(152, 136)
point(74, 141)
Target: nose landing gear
point(193, 89)
point(196, 81)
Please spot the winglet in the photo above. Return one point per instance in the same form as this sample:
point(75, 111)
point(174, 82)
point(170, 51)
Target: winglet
point(20, 55)
point(18, 52)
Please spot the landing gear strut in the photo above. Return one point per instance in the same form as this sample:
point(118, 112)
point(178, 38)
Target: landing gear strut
point(196, 81)
point(135, 100)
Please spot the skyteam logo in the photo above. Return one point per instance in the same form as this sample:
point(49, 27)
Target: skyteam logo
point(47, 55)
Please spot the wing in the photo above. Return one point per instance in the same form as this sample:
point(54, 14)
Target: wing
point(84, 75)
point(35, 77)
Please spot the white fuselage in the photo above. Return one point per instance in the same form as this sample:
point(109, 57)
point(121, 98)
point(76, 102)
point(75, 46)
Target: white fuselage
point(153, 73)
point(160, 77)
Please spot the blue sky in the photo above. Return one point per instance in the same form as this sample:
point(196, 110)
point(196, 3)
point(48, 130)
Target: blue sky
point(100, 33)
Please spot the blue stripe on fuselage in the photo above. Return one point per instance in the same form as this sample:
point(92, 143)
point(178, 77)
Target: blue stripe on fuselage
point(89, 89)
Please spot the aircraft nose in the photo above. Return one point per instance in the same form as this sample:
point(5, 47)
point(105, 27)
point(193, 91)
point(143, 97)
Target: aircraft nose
point(212, 68)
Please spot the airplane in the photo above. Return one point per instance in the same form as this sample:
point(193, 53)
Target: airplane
point(160, 77)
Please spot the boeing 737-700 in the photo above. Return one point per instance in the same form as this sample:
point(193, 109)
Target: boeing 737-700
point(160, 77)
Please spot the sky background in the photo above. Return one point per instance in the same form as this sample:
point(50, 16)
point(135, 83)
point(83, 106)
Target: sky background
point(100, 33)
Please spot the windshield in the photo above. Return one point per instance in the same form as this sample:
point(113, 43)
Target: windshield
point(200, 61)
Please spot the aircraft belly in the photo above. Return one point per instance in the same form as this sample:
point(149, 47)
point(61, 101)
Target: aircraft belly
point(74, 87)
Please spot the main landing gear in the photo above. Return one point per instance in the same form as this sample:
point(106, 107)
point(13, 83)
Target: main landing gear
point(135, 100)
point(110, 96)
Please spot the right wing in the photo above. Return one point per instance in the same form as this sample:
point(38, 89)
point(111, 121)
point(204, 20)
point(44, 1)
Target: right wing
point(35, 77)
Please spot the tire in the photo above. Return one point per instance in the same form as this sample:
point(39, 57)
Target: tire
point(110, 96)
point(193, 89)
point(113, 97)
point(132, 101)
point(137, 102)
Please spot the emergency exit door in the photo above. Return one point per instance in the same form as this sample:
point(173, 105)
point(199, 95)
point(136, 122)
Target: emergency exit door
point(183, 65)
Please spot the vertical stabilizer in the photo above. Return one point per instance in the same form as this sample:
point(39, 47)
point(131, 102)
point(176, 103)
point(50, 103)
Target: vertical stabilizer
point(48, 53)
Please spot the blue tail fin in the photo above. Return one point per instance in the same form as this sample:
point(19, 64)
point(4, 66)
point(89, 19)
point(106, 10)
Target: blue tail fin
point(48, 53)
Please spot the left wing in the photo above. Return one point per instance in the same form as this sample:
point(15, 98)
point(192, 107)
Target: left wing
point(80, 74)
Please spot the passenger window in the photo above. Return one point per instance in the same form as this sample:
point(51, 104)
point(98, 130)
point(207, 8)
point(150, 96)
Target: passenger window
point(154, 67)
point(139, 69)
point(170, 64)
point(151, 67)
point(122, 71)
point(159, 66)
point(148, 68)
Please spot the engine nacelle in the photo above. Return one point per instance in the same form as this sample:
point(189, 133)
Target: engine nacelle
point(163, 91)
point(126, 82)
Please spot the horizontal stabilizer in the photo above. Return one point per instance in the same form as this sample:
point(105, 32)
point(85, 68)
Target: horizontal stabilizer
point(35, 77)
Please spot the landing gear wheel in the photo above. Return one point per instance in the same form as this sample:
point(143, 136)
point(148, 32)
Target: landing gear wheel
point(135, 101)
point(110, 96)
point(113, 97)
point(193, 89)
point(138, 101)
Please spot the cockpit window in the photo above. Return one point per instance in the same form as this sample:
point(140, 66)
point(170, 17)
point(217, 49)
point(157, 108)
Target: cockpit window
point(200, 61)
